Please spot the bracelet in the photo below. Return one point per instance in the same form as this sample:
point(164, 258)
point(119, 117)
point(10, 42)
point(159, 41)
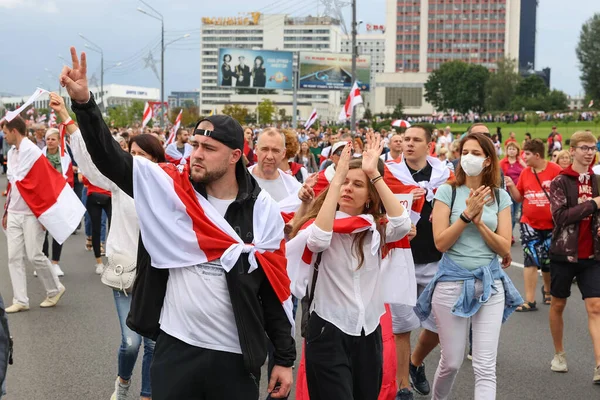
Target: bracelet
point(464, 218)
point(68, 121)
point(375, 180)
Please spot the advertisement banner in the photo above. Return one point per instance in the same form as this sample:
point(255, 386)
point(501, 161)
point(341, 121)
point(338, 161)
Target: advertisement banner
point(333, 71)
point(263, 69)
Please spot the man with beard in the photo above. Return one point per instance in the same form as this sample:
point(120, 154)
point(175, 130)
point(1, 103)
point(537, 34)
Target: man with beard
point(209, 321)
point(180, 150)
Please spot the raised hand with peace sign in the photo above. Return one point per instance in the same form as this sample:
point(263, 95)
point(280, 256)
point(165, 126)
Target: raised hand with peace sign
point(74, 78)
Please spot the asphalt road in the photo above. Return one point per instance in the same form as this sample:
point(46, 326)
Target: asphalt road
point(70, 352)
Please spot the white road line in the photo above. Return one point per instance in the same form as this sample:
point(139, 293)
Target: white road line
point(516, 264)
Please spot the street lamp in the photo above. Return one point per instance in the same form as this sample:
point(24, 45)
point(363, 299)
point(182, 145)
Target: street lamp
point(162, 58)
point(94, 47)
point(52, 75)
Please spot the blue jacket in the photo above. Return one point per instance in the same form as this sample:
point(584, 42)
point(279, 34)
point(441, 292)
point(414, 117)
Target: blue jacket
point(467, 305)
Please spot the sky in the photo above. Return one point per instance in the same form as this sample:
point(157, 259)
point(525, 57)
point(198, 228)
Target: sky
point(34, 33)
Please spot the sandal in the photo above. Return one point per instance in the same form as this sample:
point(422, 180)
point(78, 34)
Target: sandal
point(88, 243)
point(546, 295)
point(527, 306)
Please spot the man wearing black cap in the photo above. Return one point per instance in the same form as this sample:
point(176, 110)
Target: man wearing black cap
point(209, 324)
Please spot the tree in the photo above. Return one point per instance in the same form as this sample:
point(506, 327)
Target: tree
point(135, 111)
point(236, 112)
point(457, 85)
point(557, 100)
point(501, 85)
point(266, 109)
point(588, 53)
point(367, 115)
point(597, 122)
point(117, 116)
point(532, 87)
point(533, 119)
point(398, 112)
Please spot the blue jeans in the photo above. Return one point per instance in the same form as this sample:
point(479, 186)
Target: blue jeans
point(130, 346)
point(88, 220)
point(515, 211)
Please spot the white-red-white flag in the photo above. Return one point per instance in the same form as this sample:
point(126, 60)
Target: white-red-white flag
point(311, 119)
point(45, 191)
point(30, 111)
point(42, 118)
point(173, 155)
point(354, 98)
point(174, 129)
point(52, 122)
point(10, 115)
point(147, 116)
point(190, 231)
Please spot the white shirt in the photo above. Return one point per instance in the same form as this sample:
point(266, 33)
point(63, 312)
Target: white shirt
point(445, 141)
point(275, 187)
point(124, 227)
point(17, 204)
point(197, 308)
point(347, 297)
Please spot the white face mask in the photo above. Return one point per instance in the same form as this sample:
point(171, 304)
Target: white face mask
point(472, 165)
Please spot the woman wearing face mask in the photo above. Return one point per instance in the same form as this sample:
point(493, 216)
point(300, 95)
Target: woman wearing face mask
point(343, 338)
point(472, 227)
point(122, 243)
point(512, 165)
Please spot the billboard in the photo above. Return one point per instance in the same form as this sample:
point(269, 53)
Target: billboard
point(263, 69)
point(320, 70)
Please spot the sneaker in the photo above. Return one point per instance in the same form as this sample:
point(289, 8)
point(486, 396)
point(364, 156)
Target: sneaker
point(52, 301)
point(99, 268)
point(15, 308)
point(404, 394)
point(559, 362)
point(56, 268)
point(35, 273)
point(597, 375)
point(418, 380)
point(470, 355)
point(121, 390)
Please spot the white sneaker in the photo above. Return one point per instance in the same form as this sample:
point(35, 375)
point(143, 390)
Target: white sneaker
point(559, 362)
point(56, 268)
point(35, 273)
point(99, 268)
point(52, 301)
point(121, 390)
point(15, 308)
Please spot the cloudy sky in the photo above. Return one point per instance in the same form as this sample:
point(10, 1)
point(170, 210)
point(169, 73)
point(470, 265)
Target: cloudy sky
point(36, 32)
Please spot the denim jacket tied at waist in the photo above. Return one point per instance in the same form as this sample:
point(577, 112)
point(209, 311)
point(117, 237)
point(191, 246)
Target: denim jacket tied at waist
point(467, 304)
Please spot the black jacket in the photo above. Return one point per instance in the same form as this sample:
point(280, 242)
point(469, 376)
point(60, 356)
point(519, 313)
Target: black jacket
point(256, 307)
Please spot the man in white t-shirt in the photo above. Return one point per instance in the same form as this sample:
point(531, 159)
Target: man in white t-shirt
point(270, 151)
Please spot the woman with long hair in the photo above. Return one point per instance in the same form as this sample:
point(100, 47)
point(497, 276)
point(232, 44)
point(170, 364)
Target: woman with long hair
point(343, 230)
point(259, 72)
point(122, 244)
point(358, 147)
point(472, 227)
point(512, 165)
point(306, 158)
point(288, 165)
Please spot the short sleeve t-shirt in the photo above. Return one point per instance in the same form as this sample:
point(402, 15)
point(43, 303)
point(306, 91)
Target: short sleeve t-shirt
point(275, 187)
point(470, 251)
point(536, 206)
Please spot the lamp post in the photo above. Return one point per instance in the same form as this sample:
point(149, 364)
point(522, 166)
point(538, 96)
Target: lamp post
point(354, 55)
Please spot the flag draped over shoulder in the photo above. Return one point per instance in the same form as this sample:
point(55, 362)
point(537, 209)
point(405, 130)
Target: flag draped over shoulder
point(187, 230)
point(174, 156)
point(45, 191)
point(291, 203)
point(398, 272)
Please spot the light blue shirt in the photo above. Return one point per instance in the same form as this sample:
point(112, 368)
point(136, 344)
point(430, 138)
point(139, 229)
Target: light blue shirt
point(470, 251)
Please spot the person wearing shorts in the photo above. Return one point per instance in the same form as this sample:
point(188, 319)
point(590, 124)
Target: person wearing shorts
point(536, 219)
point(575, 248)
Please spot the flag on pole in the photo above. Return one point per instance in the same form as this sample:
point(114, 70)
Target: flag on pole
point(52, 122)
point(174, 129)
point(354, 98)
point(42, 118)
point(311, 119)
point(147, 116)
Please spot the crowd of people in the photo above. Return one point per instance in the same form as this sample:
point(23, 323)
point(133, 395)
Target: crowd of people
point(214, 241)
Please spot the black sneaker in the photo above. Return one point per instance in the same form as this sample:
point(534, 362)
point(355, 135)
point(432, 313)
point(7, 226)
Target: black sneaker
point(404, 394)
point(418, 380)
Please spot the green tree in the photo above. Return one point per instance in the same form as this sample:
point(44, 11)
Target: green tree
point(135, 111)
point(588, 53)
point(266, 109)
point(532, 87)
point(533, 119)
point(117, 116)
point(398, 112)
point(237, 112)
point(557, 100)
point(367, 114)
point(501, 86)
point(457, 85)
point(597, 122)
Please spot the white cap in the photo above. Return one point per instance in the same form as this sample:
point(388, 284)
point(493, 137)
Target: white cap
point(336, 146)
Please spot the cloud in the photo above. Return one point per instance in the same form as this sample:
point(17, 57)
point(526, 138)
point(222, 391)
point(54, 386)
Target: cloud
point(46, 6)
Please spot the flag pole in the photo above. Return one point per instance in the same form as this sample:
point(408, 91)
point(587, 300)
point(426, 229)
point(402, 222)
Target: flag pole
point(295, 92)
point(354, 55)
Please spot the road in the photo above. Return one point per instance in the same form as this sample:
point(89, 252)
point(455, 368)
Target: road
point(70, 352)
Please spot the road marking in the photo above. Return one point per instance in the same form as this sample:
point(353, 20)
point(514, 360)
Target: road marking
point(516, 264)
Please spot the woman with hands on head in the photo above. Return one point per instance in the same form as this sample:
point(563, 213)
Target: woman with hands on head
point(343, 337)
point(472, 227)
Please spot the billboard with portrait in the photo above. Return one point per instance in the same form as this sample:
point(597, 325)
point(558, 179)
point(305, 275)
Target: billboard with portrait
point(261, 69)
point(320, 70)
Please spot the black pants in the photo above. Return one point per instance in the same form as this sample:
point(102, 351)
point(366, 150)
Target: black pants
point(183, 372)
point(96, 202)
point(56, 249)
point(340, 366)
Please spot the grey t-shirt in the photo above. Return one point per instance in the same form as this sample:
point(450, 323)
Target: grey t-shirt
point(275, 188)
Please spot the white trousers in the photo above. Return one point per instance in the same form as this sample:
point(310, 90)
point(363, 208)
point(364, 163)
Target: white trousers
point(25, 236)
point(454, 332)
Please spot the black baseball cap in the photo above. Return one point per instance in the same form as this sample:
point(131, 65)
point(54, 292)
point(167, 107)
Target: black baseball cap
point(225, 129)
